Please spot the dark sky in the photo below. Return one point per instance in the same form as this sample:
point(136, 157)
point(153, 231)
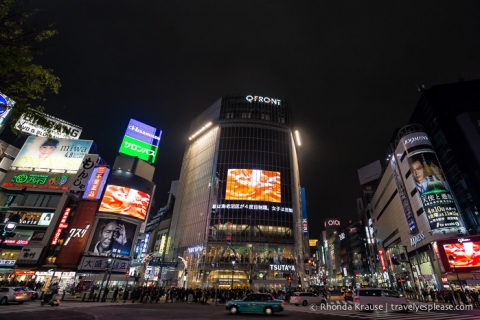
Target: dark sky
point(347, 68)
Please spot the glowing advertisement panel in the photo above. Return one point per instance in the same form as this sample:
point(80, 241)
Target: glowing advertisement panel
point(465, 252)
point(143, 132)
point(60, 128)
point(43, 154)
point(253, 185)
point(112, 236)
point(96, 183)
point(6, 105)
point(125, 201)
point(433, 190)
point(139, 149)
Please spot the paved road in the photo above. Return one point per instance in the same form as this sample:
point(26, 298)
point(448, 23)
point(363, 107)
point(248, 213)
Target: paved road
point(181, 310)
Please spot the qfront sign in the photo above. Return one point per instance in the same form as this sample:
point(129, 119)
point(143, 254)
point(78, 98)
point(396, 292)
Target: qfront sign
point(263, 100)
point(282, 267)
point(416, 239)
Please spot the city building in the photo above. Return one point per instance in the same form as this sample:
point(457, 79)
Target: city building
point(237, 216)
point(424, 213)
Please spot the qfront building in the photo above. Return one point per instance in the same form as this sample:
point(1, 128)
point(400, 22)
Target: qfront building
point(237, 217)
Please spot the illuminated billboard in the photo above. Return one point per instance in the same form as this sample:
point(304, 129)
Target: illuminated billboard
point(141, 141)
point(112, 236)
point(58, 128)
point(253, 185)
point(143, 132)
point(44, 154)
point(464, 251)
point(96, 183)
point(422, 185)
point(6, 105)
point(139, 149)
point(125, 201)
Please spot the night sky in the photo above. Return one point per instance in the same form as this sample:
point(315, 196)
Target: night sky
point(349, 70)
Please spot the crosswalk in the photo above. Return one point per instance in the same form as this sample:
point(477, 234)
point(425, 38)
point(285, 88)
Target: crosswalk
point(346, 309)
point(33, 306)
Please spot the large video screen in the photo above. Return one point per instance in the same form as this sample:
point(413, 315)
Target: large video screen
point(125, 201)
point(254, 185)
point(465, 254)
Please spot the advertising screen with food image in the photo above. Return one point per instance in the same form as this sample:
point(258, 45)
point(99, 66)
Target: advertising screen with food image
point(254, 185)
point(465, 254)
point(125, 201)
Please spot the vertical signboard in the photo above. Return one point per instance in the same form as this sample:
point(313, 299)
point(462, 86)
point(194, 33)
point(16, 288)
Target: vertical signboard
point(63, 224)
point(424, 179)
point(303, 200)
point(81, 178)
point(96, 183)
point(6, 105)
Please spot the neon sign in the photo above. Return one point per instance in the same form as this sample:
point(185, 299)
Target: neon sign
point(63, 224)
point(41, 181)
point(382, 261)
point(263, 99)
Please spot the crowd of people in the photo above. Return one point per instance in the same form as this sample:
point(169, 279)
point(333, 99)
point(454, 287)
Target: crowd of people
point(467, 297)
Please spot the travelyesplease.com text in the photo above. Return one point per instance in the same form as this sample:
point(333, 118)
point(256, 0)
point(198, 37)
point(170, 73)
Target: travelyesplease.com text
point(412, 307)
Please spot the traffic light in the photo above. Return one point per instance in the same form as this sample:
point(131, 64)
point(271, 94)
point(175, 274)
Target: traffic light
point(289, 279)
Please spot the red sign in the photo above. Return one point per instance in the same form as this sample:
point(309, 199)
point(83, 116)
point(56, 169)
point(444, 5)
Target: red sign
point(390, 260)
point(16, 242)
point(30, 273)
point(61, 226)
point(444, 279)
point(382, 260)
point(38, 236)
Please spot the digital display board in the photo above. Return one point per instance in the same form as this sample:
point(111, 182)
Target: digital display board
point(112, 236)
point(465, 254)
point(253, 185)
point(96, 183)
point(44, 154)
point(125, 201)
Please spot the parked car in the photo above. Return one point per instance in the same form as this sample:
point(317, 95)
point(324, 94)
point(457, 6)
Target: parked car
point(377, 299)
point(31, 293)
point(306, 299)
point(13, 294)
point(256, 302)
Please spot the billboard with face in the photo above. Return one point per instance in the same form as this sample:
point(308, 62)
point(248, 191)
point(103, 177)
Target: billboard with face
point(44, 154)
point(112, 236)
point(426, 188)
point(125, 201)
point(253, 185)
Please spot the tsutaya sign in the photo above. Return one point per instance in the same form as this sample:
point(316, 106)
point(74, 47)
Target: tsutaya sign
point(263, 99)
point(416, 239)
point(282, 267)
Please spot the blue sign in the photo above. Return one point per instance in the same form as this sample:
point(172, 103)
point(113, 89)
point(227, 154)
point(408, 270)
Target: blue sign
point(143, 132)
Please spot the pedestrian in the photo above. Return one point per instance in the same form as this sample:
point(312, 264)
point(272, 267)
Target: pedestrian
point(125, 295)
point(115, 294)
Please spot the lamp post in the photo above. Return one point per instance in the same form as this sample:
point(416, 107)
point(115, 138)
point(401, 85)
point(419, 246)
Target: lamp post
point(233, 271)
point(452, 262)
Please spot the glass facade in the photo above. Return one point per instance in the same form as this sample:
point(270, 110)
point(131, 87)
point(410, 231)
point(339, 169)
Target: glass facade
point(234, 221)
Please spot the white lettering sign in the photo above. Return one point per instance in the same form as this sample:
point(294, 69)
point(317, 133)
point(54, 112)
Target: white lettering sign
point(195, 249)
point(333, 222)
point(77, 233)
point(263, 99)
point(416, 239)
point(413, 139)
point(282, 267)
point(463, 240)
point(341, 236)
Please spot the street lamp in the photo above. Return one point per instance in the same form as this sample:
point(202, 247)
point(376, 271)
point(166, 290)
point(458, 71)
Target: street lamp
point(452, 262)
point(233, 271)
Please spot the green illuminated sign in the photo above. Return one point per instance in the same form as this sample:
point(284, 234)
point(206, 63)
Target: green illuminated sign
point(40, 181)
point(139, 149)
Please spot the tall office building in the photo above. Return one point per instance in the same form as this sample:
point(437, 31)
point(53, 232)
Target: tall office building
point(237, 216)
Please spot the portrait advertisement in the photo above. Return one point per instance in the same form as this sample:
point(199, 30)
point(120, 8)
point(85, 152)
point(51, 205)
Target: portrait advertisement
point(426, 171)
point(43, 153)
point(112, 237)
